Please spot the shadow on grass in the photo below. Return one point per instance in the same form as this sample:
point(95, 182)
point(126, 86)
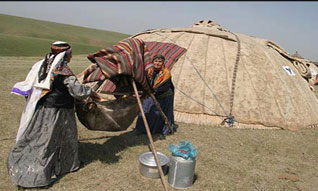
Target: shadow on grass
point(107, 151)
point(195, 178)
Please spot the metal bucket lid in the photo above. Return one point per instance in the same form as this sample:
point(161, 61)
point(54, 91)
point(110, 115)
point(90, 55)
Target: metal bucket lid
point(148, 159)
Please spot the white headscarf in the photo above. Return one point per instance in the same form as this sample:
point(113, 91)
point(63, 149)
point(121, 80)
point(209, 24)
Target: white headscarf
point(32, 89)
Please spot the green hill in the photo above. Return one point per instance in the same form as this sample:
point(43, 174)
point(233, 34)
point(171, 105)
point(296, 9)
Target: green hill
point(30, 37)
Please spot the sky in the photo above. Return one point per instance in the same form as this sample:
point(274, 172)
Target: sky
point(290, 24)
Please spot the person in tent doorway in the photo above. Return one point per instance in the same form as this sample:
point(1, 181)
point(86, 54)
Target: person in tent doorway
point(160, 79)
point(46, 143)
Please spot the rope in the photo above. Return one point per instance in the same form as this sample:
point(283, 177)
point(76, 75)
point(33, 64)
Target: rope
point(234, 73)
point(206, 84)
point(197, 101)
point(230, 119)
point(299, 64)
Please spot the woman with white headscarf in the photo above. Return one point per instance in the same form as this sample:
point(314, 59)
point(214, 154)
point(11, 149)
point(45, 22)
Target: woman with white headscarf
point(46, 143)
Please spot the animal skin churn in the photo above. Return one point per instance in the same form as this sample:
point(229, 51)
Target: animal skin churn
point(181, 172)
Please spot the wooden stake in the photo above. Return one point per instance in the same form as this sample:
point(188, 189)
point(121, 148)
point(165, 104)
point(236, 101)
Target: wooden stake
point(163, 180)
point(164, 117)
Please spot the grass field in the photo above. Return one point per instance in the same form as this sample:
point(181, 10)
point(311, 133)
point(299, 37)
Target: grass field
point(29, 37)
point(228, 159)
point(16, 45)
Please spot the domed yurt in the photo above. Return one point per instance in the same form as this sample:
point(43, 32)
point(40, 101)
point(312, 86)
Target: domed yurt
point(226, 77)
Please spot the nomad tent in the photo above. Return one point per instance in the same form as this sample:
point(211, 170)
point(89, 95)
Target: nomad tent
point(237, 79)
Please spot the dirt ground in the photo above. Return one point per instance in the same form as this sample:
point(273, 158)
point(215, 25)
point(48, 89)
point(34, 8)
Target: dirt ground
point(228, 159)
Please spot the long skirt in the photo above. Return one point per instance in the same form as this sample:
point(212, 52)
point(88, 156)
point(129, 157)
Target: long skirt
point(48, 148)
point(155, 121)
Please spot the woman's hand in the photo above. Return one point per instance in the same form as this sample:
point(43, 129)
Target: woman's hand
point(95, 97)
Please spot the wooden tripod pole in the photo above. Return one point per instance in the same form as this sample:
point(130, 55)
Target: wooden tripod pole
point(163, 180)
point(164, 117)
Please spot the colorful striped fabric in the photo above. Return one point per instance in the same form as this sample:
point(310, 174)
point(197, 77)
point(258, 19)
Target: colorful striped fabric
point(170, 51)
point(130, 57)
point(126, 58)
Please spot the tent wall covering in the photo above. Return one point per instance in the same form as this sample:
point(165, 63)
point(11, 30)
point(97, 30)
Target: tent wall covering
point(265, 94)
